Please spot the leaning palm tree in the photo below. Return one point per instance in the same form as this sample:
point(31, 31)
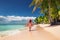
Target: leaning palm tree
point(47, 6)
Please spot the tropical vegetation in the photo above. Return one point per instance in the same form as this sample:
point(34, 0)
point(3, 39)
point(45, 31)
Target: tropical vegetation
point(50, 8)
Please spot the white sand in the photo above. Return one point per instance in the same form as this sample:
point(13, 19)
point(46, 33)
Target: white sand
point(39, 33)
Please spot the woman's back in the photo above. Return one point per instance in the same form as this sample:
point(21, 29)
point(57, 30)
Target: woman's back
point(30, 24)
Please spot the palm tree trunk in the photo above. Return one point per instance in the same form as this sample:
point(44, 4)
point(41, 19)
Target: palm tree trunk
point(49, 11)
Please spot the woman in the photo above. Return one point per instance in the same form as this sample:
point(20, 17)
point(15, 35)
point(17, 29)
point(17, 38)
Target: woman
point(29, 24)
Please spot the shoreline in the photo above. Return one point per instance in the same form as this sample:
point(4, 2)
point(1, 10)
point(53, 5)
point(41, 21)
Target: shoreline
point(41, 33)
point(11, 32)
point(15, 31)
point(8, 32)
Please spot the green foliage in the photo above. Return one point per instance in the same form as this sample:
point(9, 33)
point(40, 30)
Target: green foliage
point(49, 7)
point(42, 19)
point(39, 19)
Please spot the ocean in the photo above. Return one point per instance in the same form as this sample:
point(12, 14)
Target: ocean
point(11, 27)
point(8, 30)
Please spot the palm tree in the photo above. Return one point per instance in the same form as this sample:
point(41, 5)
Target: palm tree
point(47, 6)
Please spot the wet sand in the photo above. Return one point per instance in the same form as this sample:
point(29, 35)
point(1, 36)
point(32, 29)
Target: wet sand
point(40, 33)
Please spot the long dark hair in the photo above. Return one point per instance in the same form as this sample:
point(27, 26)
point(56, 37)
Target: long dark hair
point(30, 21)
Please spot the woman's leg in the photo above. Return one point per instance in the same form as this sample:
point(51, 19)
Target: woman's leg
point(29, 28)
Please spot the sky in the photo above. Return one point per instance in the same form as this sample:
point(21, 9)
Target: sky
point(17, 8)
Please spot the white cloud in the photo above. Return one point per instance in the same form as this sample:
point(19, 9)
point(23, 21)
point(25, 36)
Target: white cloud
point(10, 18)
point(2, 17)
point(14, 18)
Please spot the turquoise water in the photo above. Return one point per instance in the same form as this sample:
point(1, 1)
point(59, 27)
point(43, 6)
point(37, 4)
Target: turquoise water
point(10, 27)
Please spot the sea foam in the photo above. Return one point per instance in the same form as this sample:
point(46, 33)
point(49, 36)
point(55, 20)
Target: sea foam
point(9, 32)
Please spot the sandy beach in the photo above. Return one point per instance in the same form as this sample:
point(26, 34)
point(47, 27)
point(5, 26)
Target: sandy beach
point(40, 33)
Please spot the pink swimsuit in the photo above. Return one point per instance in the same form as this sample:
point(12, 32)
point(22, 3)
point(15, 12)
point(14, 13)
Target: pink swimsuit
point(30, 24)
